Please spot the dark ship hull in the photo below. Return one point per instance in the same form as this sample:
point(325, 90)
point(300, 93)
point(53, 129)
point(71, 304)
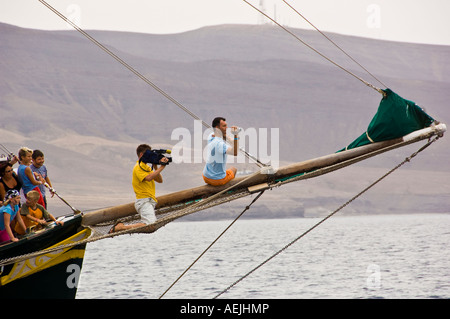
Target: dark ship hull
point(54, 274)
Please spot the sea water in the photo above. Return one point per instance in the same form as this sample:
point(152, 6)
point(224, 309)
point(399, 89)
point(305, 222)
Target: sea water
point(368, 256)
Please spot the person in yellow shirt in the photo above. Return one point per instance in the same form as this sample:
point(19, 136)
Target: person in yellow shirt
point(143, 181)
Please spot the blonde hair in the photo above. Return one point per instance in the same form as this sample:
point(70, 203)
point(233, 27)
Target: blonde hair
point(33, 195)
point(23, 151)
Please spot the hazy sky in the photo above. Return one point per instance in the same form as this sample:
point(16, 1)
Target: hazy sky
point(423, 21)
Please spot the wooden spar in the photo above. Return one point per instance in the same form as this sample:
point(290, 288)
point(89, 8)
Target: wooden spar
point(345, 158)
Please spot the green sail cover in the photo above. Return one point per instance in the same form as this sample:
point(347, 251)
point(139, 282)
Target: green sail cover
point(396, 117)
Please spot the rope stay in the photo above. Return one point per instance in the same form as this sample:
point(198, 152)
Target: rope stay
point(406, 160)
point(334, 43)
point(317, 51)
point(215, 240)
point(141, 76)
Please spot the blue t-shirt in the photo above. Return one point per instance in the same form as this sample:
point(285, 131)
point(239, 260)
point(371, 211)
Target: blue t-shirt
point(27, 185)
point(7, 210)
point(217, 158)
point(43, 171)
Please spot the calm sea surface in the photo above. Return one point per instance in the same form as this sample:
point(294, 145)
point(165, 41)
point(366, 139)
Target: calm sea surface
point(387, 256)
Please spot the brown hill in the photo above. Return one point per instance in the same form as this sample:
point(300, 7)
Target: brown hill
point(62, 94)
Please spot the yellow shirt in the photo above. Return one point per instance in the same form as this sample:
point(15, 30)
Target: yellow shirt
point(37, 213)
point(142, 188)
point(40, 213)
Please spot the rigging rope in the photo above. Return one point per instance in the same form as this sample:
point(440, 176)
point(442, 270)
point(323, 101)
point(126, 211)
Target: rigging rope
point(408, 159)
point(315, 50)
point(215, 240)
point(141, 76)
point(335, 44)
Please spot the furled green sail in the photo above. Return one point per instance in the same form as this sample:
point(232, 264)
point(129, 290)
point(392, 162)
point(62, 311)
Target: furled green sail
point(396, 117)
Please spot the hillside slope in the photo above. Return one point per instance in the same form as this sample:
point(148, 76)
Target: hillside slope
point(62, 94)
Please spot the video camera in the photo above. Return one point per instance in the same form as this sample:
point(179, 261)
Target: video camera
point(155, 156)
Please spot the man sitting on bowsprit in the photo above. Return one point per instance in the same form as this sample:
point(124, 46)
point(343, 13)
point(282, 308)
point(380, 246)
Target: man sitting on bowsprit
point(215, 172)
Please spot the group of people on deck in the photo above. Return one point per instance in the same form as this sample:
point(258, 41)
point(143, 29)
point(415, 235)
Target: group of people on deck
point(23, 204)
point(214, 172)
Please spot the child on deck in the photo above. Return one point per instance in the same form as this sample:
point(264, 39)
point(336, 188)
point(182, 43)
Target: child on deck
point(34, 214)
point(38, 167)
point(26, 175)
